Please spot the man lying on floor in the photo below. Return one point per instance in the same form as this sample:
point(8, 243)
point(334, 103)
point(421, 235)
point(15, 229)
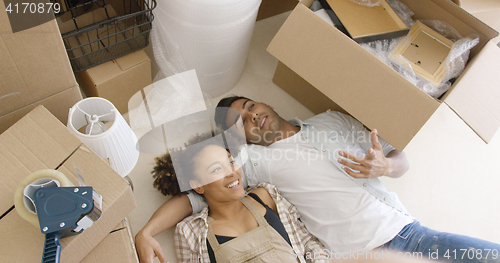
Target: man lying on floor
point(328, 168)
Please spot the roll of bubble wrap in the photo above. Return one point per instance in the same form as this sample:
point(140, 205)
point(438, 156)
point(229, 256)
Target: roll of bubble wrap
point(211, 37)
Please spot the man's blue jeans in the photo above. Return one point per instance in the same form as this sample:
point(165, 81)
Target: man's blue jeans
point(416, 241)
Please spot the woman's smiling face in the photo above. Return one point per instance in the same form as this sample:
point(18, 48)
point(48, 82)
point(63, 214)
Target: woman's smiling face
point(218, 175)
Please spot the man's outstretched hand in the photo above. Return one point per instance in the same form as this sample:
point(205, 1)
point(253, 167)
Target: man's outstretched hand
point(373, 165)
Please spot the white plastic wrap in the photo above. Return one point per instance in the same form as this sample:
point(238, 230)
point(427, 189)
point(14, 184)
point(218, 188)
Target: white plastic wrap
point(453, 65)
point(403, 11)
point(315, 6)
point(368, 3)
point(210, 36)
point(443, 28)
point(323, 14)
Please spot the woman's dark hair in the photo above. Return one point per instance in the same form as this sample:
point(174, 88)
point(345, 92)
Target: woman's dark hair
point(222, 108)
point(164, 174)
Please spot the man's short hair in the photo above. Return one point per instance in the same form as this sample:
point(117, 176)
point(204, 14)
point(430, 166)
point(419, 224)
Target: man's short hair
point(222, 108)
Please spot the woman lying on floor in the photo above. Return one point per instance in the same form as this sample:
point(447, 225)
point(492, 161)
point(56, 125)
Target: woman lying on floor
point(238, 225)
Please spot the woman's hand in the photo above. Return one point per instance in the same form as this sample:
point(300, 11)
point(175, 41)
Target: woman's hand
point(148, 248)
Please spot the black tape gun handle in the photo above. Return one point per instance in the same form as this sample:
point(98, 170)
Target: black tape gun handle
point(52, 248)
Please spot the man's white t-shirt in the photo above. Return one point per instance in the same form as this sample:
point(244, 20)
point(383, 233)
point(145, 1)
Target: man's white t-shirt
point(334, 208)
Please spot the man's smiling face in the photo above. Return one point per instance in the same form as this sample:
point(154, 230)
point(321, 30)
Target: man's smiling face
point(262, 125)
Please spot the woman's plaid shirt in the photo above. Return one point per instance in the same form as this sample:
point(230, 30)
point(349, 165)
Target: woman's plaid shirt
point(191, 233)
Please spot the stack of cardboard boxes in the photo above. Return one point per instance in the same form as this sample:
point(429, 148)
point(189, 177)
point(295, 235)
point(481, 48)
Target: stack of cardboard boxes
point(35, 71)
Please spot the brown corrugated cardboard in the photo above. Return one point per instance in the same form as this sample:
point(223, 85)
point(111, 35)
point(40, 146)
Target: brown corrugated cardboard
point(118, 246)
point(491, 17)
point(270, 8)
point(117, 80)
point(474, 98)
point(297, 87)
point(39, 141)
point(57, 104)
point(376, 95)
point(34, 66)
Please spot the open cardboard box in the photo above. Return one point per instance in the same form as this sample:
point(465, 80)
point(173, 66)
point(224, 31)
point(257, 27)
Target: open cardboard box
point(324, 69)
point(40, 141)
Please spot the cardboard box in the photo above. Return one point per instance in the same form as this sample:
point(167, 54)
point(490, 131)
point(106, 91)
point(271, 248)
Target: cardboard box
point(57, 104)
point(39, 141)
point(117, 80)
point(342, 74)
point(34, 67)
point(118, 246)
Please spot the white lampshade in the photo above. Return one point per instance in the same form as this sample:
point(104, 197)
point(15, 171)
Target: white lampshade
point(110, 136)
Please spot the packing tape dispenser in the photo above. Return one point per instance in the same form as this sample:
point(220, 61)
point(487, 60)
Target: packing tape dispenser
point(49, 200)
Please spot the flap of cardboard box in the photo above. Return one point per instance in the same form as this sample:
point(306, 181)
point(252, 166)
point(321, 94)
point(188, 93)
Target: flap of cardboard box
point(131, 60)
point(118, 246)
point(475, 97)
point(467, 18)
point(34, 64)
point(346, 73)
point(40, 141)
point(58, 104)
